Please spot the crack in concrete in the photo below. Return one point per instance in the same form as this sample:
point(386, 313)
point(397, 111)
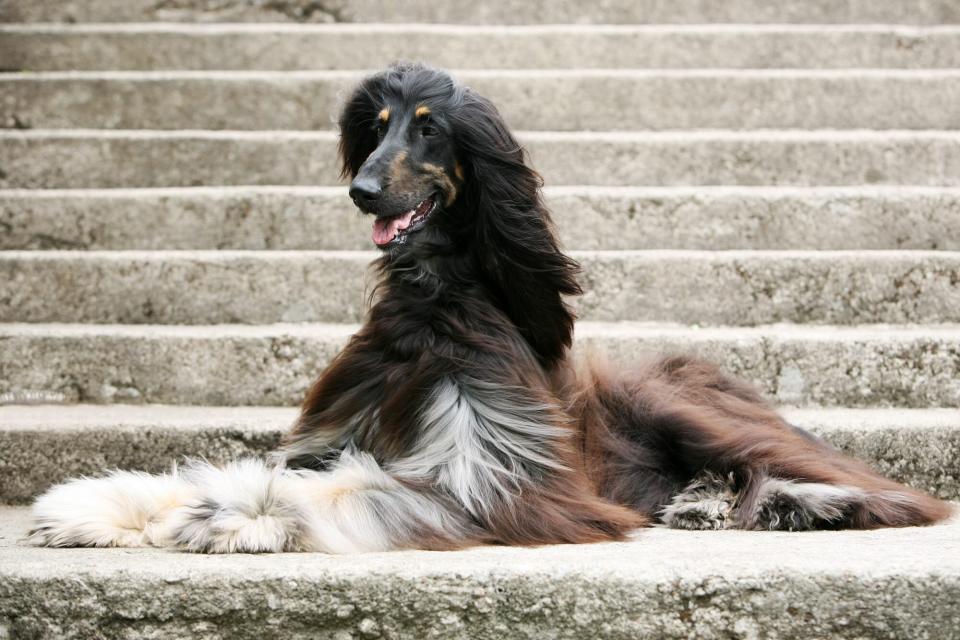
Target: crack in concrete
point(299, 10)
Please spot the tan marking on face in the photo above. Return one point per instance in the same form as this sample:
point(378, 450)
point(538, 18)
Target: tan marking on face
point(384, 115)
point(439, 175)
point(401, 178)
point(422, 111)
point(458, 170)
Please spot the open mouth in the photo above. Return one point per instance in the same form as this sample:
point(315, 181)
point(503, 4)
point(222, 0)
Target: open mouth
point(395, 229)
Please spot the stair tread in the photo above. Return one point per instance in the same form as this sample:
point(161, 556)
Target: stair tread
point(79, 417)
point(654, 554)
point(841, 333)
point(651, 582)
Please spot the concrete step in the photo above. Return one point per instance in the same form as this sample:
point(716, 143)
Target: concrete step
point(46, 444)
point(662, 583)
point(98, 158)
point(503, 12)
point(866, 366)
point(311, 218)
point(688, 287)
point(562, 100)
point(291, 47)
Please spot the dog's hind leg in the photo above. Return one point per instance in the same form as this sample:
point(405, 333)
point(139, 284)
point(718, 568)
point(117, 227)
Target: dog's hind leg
point(789, 505)
point(706, 503)
point(712, 501)
point(683, 418)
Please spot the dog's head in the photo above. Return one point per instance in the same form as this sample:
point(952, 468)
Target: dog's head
point(398, 144)
point(437, 166)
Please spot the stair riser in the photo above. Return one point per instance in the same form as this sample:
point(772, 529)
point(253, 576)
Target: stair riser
point(560, 591)
point(33, 459)
point(274, 366)
point(324, 218)
point(144, 159)
point(51, 48)
point(700, 288)
point(510, 12)
point(534, 101)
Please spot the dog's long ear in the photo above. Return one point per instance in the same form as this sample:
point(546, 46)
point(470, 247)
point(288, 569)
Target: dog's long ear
point(514, 241)
point(358, 135)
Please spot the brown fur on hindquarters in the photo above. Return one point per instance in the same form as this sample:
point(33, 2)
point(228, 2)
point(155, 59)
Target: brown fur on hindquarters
point(680, 417)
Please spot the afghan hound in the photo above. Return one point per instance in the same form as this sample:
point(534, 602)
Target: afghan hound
point(456, 415)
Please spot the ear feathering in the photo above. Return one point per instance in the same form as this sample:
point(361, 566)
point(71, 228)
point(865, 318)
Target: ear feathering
point(358, 137)
point(515, 244)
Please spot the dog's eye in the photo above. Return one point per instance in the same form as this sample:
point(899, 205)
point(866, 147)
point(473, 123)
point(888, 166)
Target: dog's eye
point(381, 130)
point(428, 131)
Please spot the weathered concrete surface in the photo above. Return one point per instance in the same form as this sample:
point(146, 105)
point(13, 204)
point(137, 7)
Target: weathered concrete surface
point(722, 218)
point(89, 158)
point(559, 100)
point(752, 287)
point(892, 583)
point(918, 447)
point(291, 47)
point(689, 287)
point(321, 218)
point(503, 12)
point(45, 444)
point(256, 287)
point(218, 365)
point(85, 158)
point(866, 366)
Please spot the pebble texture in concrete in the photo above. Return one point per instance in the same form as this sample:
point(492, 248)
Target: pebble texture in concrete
point(661, 583)
point(82, 158)
point(865, 366)
point(305, 218)
point(43, 445)
point(279, 47)
point(264, 287)
point(555, 100)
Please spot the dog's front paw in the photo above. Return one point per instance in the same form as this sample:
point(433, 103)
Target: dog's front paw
point(698, 516)
point(205, 526)
point(706, 503)
point(784, 505)
point(241, 508)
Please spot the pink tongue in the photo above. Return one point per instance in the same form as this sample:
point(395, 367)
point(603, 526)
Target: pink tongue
point(385, 229)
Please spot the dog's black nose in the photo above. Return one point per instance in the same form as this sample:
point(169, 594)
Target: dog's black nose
point(365, 190)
